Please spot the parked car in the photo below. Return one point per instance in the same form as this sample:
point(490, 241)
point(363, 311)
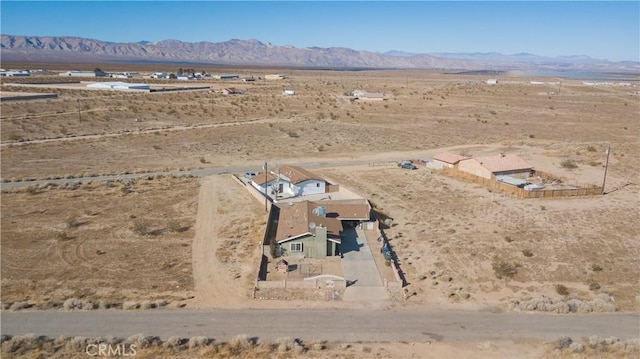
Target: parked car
point(407, 166)
point(249, 175)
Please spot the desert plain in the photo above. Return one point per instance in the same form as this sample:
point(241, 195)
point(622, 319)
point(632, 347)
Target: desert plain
point(160, 241)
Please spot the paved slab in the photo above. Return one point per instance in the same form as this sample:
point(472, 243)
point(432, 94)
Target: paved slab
point(359, 268)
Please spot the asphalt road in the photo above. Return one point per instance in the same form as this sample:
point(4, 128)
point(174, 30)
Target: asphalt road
point(200, 172)
point(323, 324)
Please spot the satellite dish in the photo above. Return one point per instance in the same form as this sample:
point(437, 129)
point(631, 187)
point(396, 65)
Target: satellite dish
point(312, 225)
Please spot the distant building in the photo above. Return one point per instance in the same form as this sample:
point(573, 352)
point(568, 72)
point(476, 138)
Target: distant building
point(288, 92)
point(159, 75)
point(15, 73)
point(226, 77)
point(275, 77)
point(76, 73)
point(121, 75)
point(364, 95)
point(118, 86)
point(233, 91)
point(491, 81)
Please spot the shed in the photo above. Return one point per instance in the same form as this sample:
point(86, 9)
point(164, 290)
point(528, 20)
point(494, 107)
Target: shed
point(282, 265)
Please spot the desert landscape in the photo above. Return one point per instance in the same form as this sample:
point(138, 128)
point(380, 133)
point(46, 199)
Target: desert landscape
point(181, 240)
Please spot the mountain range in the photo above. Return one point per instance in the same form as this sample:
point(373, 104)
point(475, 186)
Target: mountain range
point(257, 53)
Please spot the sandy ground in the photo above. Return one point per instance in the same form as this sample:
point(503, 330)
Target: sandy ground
point(446, 233)
point(226, 246)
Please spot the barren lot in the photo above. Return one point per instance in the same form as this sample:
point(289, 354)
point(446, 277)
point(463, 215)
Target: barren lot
point(447, 234)
point(102, 241)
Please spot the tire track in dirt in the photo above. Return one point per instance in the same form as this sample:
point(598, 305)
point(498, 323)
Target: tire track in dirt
point(150, 131)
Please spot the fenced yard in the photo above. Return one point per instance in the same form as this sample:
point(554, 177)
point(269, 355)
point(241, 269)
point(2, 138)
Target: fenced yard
point(587, 190)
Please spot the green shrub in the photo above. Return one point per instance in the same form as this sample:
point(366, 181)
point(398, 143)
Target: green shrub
point(562, 290)
point(568, 164)
point(503, 269)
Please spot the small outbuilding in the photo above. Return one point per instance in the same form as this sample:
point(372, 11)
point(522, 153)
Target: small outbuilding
point(282, 266)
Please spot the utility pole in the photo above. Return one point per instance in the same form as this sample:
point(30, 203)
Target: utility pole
point(212, 109)
point(266, 187)
point(606, 166)
point(79, 114)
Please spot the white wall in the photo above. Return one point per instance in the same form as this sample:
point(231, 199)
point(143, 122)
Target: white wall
point(309, 187)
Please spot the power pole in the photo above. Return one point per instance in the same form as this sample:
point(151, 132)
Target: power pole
point(606, 166)
point(212, 109)
point(266, 187)
point(79, 114)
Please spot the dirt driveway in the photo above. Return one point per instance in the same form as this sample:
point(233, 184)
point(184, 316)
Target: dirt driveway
point(225, 244)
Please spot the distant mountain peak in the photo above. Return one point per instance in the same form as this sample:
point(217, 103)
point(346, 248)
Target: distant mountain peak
point(256, 52)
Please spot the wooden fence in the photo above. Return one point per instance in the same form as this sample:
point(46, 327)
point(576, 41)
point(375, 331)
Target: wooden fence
point(589, 190)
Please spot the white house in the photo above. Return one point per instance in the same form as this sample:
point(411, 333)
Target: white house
point(290, 181)
point(159, 75)
point(302, 182)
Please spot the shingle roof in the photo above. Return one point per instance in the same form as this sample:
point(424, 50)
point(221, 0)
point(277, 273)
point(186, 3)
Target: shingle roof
point(295, 218)
point(346, 209)
point(296, 174)
point(259, 178)
point(448, 157)
point(503, 163)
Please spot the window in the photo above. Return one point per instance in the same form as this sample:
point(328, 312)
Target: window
point(295, 247)
point(317, 184)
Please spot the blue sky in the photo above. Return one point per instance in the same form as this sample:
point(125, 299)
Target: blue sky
point(604, 30)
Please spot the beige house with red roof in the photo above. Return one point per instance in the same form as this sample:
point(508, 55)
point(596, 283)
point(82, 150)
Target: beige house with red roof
point(447, 159)
point(496, 165)
point(314, 229)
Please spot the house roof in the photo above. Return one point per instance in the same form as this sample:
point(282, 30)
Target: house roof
point(296, 218)
point(503, 163)
point(296, 174)
point(259, 178)
point(448, 157)
point(357, 209)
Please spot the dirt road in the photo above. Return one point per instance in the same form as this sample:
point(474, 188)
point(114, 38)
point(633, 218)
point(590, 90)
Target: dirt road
point(216, 283)
point(413, 324)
